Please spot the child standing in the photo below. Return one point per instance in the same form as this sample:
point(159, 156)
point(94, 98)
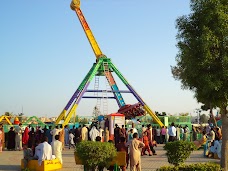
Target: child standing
point(71, 139)
point(147, 146)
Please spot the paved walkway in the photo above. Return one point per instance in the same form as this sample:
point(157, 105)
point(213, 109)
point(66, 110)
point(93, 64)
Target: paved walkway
point(10, 160)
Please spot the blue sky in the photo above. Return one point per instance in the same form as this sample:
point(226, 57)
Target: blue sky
point(45, 53)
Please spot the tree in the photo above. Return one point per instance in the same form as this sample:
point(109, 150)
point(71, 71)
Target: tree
point(207, 107)
point(160, 114)
point(202, 60)
point(184, 114)
point(157, 113)
point(74, 119)
point(8, 114)
point(163, 114)
point(84, 121)
point(204, 118)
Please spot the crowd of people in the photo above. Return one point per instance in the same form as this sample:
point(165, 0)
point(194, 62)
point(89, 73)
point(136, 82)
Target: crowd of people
point(30, 136)
point(36, 143)
point(47, 143)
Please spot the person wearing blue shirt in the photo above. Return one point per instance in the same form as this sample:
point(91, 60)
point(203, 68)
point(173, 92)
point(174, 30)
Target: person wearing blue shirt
point(172, 133)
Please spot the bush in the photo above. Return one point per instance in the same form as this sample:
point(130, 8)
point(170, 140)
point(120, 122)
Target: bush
point(178, 151)
point(192, 167)
point(93, 154)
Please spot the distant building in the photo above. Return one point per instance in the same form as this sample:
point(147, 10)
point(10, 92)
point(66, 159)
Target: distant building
point(45, 119)
point(53, 119)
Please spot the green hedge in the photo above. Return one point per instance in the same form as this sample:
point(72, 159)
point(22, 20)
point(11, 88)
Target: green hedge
point(94, 154)
point(192, 167)
point(178, 151)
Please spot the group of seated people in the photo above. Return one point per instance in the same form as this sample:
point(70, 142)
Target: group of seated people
point(212, 141)
point(202, 141)
point(215, 148)
point(43, 151)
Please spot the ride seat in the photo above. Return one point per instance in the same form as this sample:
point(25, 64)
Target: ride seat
point(47, 165)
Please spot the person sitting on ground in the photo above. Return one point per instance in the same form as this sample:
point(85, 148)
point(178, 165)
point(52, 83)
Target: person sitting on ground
point(28, 155)
point(212, 134)
point(57, 147)
point(218, 133)
point(202, 141)
point(215, 148)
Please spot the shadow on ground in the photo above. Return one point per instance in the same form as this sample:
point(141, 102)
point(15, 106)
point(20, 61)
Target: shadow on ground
point(10, 167)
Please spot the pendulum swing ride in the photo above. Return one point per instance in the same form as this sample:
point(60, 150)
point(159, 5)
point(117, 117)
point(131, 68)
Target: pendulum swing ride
point(103, 67)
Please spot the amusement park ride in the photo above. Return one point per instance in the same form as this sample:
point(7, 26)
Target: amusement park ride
point(103, 67)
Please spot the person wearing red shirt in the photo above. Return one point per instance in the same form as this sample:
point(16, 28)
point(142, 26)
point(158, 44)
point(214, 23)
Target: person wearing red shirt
point(145, 140)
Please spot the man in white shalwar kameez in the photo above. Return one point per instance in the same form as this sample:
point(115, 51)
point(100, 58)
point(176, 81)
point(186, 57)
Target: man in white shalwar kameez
point(55, 132)
point(45, 151)
point(18, 137)
point(84, 133)
point(57, 148)
point(93, 133)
